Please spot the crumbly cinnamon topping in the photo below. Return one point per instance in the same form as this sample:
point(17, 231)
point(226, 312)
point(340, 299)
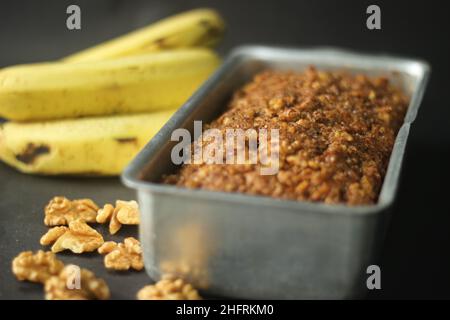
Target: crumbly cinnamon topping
point(336, 134)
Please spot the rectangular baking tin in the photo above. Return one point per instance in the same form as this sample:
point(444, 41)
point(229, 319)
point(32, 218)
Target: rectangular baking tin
point(246, 246)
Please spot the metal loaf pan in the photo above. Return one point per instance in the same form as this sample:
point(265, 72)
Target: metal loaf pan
point(257, 247)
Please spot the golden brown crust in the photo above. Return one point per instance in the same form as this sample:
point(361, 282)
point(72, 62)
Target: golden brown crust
point(336, 130)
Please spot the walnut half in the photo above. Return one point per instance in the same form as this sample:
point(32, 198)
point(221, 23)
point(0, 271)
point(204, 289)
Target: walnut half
point(37, 267)
point(125, 212)
point(78, 237)
point(61, 211)
point(122, 256)
point(74, 283)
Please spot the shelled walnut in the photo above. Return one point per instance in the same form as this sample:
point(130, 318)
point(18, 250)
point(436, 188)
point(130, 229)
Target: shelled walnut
point(169, 288)
point(191, 268)
point(52, 235)
point(125, 212)
point(78, 237)
point(37, 267)
point(66, 285)
point(61, 211)
point(122, 256)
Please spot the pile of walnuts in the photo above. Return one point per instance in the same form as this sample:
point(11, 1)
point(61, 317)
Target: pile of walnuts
point(43, 267)
point(70, 230)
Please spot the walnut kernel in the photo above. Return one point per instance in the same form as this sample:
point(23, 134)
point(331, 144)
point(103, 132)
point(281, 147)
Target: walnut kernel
point(122, 256)
point(61, 211)
point(78, 238)
point(125, 212)
point(52, 235)
point(36, 267)
point(91, 287)
point(169, 288)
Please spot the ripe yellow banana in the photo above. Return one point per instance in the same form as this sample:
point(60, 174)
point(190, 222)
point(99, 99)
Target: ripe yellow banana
point(196, 28)
point(145, 83)
point(90, 146)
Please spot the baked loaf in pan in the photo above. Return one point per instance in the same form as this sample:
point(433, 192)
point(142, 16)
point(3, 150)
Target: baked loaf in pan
point(336, 133)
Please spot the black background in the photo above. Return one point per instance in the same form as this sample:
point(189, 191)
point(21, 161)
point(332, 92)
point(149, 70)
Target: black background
point(416, 255)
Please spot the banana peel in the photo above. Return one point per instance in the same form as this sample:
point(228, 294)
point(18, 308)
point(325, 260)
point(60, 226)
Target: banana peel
point(195, 28)
point(84, 146)
point(163, 80)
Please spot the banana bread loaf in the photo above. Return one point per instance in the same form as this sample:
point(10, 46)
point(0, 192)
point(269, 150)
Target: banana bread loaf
point(336, 133)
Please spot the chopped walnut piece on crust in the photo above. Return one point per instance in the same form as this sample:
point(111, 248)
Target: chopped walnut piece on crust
point(169, 288)
point(122, 256)
point(78, 238)
point(74, 283)
point(61, 211)
point(125, 212)
point(36, 267)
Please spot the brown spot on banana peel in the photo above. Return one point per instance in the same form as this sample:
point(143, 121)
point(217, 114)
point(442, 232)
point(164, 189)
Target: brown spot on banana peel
point(160, 43)
point(211, 29)
point(31, 152)
point(127, 140)
point(213, 34)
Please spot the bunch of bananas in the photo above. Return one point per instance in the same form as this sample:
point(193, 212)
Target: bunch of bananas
point(91, 112)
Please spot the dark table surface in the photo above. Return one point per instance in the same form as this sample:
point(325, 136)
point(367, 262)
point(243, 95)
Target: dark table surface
point(415, 260)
